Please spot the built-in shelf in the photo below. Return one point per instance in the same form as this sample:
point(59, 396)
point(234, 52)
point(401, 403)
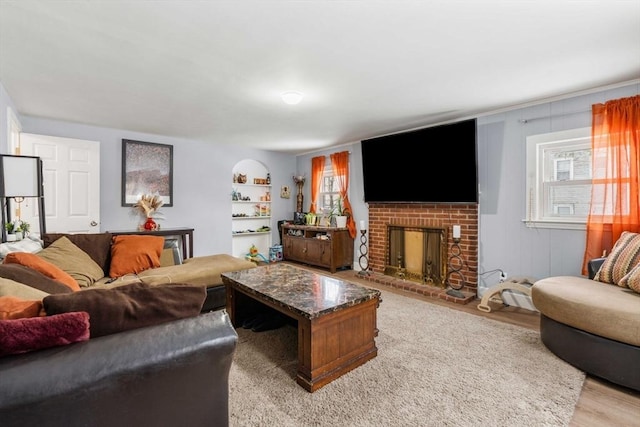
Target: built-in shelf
point(254, 213)
point(251, 201)
point(251, 185)
point(250, 233)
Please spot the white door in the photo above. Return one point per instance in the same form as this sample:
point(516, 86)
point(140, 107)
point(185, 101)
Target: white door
point(71, 176)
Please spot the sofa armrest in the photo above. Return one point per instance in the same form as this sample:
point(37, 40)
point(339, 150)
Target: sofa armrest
point(176, 373)
point(594, 265)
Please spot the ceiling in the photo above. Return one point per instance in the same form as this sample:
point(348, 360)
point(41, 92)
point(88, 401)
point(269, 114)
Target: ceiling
point(213, 71)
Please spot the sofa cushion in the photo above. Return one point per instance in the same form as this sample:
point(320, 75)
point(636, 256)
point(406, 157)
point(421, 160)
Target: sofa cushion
point(624, 255)
point(108, 282)
point(204, 270)
point(96, 245)
point(43, 266)
point(134, 254)
point(130, 306)
point(16, 289)
point(602, 309)
point(73, 260)
point(18, 308)
point(33, 278)
point(36, 333)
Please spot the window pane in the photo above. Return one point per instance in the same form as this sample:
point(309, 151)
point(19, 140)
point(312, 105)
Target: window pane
point(567, 163)
point(328, 184)
point(563, 170)
point(599, 209)
point(567, 200)
point(326, 201)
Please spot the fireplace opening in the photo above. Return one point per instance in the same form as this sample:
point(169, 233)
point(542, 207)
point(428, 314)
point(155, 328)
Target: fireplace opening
point(417, 253)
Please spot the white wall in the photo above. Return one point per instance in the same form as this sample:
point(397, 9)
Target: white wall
point(202, 185)
point(504, 241)
point(5, 103)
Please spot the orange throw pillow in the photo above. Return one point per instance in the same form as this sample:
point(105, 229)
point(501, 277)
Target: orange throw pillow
point(134, 254)
point(34, 261)
point(17, 308)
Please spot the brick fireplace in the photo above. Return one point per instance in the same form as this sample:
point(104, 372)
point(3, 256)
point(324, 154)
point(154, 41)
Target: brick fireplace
point(445, 216)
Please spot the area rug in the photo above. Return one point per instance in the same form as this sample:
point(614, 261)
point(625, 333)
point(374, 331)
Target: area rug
point(436, 366)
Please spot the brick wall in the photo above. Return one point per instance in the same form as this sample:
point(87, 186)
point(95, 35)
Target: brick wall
point(432, 215)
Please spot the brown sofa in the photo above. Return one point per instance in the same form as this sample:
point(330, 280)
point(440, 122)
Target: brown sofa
point(170, 374)
point(594, 326)
point(203, 271)
point(143, 348)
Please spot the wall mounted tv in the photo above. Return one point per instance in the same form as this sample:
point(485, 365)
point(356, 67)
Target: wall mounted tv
point(431, 165)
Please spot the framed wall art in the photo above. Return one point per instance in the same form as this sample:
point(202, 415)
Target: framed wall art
point(147, 168)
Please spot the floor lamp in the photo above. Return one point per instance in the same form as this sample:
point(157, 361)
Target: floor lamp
point(21, 178)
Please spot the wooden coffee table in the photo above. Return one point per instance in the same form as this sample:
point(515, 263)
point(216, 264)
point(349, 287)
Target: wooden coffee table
point(336, 319)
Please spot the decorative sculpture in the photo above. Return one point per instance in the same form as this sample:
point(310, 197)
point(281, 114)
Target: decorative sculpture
point(299, 180)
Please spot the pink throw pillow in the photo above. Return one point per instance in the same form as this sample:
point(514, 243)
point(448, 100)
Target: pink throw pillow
point(36, 333)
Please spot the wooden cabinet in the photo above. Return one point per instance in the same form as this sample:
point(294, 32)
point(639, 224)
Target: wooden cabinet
point(328, 247)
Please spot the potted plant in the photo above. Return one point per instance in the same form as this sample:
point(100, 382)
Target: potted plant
point(310, 218)
point(11, 231)
point(340, 214)
point(24, 228)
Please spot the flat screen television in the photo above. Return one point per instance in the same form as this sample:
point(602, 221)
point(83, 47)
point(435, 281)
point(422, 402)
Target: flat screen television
point(431, 165)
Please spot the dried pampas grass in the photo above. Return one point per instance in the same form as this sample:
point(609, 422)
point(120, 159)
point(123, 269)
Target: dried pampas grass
point(148, 205)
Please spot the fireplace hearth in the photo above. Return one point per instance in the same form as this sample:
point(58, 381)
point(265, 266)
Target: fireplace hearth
point(417, 253)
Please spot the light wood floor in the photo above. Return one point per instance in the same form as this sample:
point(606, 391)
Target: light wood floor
point(600, 404)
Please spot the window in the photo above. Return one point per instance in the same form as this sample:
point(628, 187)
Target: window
point(559, 179)
point(329, 191)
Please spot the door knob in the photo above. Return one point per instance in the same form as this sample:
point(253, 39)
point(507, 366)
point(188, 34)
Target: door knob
point(93, 223)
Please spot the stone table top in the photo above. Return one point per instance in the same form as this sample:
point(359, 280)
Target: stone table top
point(309, 294)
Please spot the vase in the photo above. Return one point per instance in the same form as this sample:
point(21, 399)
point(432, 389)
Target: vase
point(310, 218)
point(150, 224)
point(341, 221)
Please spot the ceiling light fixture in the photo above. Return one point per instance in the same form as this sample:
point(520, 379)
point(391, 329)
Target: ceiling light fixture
point(292, 97)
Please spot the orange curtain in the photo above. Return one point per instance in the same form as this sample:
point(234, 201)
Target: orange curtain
point(317, 168)
point(340, 165)
point(615, 197)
